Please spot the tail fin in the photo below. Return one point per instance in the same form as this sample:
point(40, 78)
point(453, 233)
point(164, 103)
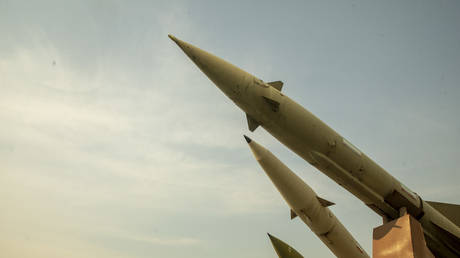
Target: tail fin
point(451, 211)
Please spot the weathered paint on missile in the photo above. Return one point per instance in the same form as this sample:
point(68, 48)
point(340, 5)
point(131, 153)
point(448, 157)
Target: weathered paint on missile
point(307, 205)
point(321, 146)
point(282, 249)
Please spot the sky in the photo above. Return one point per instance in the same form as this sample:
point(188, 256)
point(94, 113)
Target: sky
point(114, 144)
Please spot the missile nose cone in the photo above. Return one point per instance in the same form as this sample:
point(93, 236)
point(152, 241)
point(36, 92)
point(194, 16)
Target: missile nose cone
point(172, 38)
point(282, 249)
point(223, 74)
point(248, 140)
point(183, 45)
point(204, 60)
point(270, 236)
point(176, 40)
point(258, 151)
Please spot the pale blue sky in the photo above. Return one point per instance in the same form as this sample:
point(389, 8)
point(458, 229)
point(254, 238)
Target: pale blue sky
point(113, 144)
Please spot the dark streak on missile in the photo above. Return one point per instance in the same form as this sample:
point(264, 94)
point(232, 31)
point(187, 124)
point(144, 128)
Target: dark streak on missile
point(248, 140)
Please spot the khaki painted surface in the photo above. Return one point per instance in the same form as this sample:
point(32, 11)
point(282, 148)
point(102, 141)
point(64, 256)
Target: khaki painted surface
point(282, 249)
point(322, 147)
point(304, 202)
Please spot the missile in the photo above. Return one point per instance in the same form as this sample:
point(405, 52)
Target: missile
point(305, 204)
point(282, 249)
point(333, 155)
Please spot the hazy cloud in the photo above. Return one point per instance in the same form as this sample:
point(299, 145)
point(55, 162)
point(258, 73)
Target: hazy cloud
point(113, 144)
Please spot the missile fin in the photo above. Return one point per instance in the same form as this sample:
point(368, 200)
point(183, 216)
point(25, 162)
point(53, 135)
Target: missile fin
point(276, 84)
point(252, 123)
point(275, 105)
point(451, 211)
point(324, 202)
point(293, 214)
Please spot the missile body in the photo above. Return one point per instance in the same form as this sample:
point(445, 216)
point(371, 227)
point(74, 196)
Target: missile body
point(282, 249)
point(305, 204)
point(322, 147)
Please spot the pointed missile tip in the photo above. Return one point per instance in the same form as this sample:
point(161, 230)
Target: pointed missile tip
point(271, 238)
point(248, 140)
point(172, 38)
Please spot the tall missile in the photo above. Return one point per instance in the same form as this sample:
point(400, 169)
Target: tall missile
point(305, 204)
point(322, 147)
point(282, 249)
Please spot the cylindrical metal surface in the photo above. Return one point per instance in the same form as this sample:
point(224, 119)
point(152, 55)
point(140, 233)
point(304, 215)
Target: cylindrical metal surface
point(305, 203)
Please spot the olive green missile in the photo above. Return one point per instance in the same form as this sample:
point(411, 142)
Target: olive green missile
point(282, 249)
point(305, 204)
point(317, 143)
